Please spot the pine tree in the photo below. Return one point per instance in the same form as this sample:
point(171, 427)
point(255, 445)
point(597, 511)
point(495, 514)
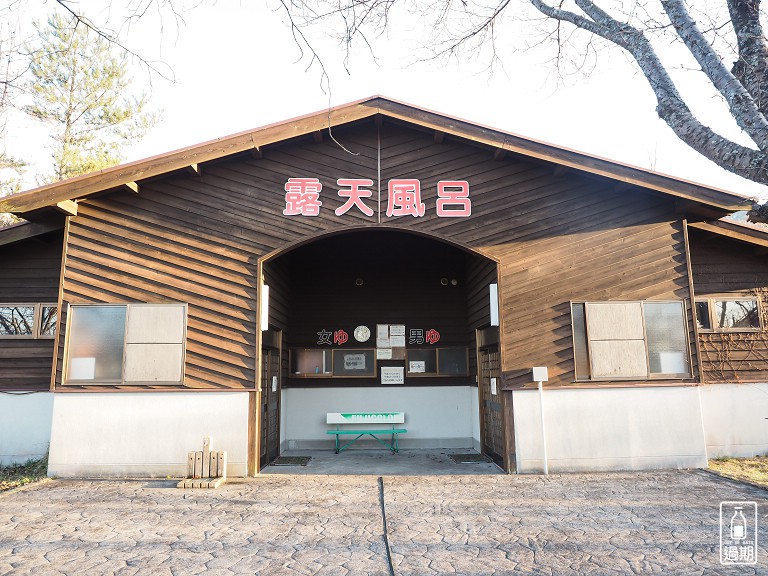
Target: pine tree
point(79, 86)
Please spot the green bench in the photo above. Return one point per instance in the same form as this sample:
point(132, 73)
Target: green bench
point(366, 418)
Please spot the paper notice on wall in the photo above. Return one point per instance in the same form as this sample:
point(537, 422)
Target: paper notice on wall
point(383, 343)
point(397, 330)
point(392, 375)
point(274, 383)
point(417, 366)
point(397, 341)
point(382, 330)
point(354, 361)
point(493, 386)
point(383, 353)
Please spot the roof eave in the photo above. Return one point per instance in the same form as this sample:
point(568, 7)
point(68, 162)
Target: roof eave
point(125, 174)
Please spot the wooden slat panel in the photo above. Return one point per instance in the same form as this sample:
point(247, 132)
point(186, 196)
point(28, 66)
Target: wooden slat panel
point(722, 266)
point(198, 240)
point(29, 273)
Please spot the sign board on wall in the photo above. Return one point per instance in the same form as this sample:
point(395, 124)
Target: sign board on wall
point(392, 375)
point(354, 361)
point(417, 366)
point(383, 353)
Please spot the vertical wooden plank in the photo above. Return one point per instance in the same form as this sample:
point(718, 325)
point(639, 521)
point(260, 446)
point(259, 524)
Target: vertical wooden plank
point(206, 472)
point(692, 318)
point(223, 464)
point(190, 464)
point(57, 337)
point(198, 465)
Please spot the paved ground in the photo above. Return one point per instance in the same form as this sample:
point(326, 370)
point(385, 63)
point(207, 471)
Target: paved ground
point(649, 523)
point(384, 463)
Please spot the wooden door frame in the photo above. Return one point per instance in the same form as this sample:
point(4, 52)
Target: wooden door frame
point(486, 344)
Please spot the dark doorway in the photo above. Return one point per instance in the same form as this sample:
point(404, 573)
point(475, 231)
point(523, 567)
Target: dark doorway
point(270, 399)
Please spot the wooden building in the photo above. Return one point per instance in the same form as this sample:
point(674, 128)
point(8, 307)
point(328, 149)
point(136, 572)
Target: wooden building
point(382, 257)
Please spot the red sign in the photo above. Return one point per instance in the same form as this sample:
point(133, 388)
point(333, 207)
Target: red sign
point(302, 197)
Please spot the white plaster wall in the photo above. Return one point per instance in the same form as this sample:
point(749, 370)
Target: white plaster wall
point(435, 416)
point(145, 434)
point(735, 419)
point(25, 426)
point(474, 394)
point(610, 429)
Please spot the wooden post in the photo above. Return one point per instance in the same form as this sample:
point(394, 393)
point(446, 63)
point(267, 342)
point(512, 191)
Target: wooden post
point(207, 445)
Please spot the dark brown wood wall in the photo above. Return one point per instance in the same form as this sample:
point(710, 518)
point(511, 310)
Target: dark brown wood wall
point(481, 273)
point(722, 266)
point(29, 273)
point(558, 237)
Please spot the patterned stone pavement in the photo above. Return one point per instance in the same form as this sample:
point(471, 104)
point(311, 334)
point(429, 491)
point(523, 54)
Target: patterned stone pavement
point(622, 523)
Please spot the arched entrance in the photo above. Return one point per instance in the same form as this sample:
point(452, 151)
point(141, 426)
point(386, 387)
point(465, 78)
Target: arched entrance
point(379, 319)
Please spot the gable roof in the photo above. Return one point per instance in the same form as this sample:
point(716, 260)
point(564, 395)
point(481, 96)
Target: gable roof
point(736, 230)
point(56, 194)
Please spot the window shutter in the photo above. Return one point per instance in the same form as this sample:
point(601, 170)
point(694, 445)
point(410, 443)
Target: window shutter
point(154, 348)
point(616, 340)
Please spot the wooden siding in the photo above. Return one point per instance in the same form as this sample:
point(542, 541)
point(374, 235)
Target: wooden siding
point(30, 274)
point(199, 239)
point(728, 267)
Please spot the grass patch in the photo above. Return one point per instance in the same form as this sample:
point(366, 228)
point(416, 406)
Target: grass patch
point(750, 469)
point(20, 474)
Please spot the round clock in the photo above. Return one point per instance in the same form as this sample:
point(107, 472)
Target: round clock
point(362, 333)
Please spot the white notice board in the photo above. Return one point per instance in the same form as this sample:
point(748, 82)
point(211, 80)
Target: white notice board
point(392, 375)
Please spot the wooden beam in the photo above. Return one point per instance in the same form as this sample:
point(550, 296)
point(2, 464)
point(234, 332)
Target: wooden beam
point(194, 170)
point(378, 120)
point(131, 187)
point(439, 136)
point(26, 230)
point(68, 207)
point(734, 231)
point(499, 154)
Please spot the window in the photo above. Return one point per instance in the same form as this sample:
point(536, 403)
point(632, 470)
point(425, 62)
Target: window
point(28, 320)
point(630, 340)
point(126, 344)
point(728, 314)
point(354, 362)
point(312, 362)
point(438, 361)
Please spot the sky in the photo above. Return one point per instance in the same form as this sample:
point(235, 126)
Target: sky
point(236, 67)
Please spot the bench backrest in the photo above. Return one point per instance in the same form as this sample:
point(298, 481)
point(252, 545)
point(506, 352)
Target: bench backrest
point(365, 417)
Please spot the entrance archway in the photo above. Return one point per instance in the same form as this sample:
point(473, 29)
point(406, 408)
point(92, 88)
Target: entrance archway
point(378, 319)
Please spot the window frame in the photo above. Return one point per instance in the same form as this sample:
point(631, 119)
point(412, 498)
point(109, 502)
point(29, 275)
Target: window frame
point(714, 328)
point(650, 375)
point(36, 319)
point(122, 381)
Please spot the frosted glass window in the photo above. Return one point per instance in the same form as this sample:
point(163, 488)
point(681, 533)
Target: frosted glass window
point(666, 338)
point(17, 320)
point(580, 350)
point(631, 340)
point(96, 341)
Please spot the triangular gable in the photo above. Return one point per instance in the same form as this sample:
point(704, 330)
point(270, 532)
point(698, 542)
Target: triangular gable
point(128, 175)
